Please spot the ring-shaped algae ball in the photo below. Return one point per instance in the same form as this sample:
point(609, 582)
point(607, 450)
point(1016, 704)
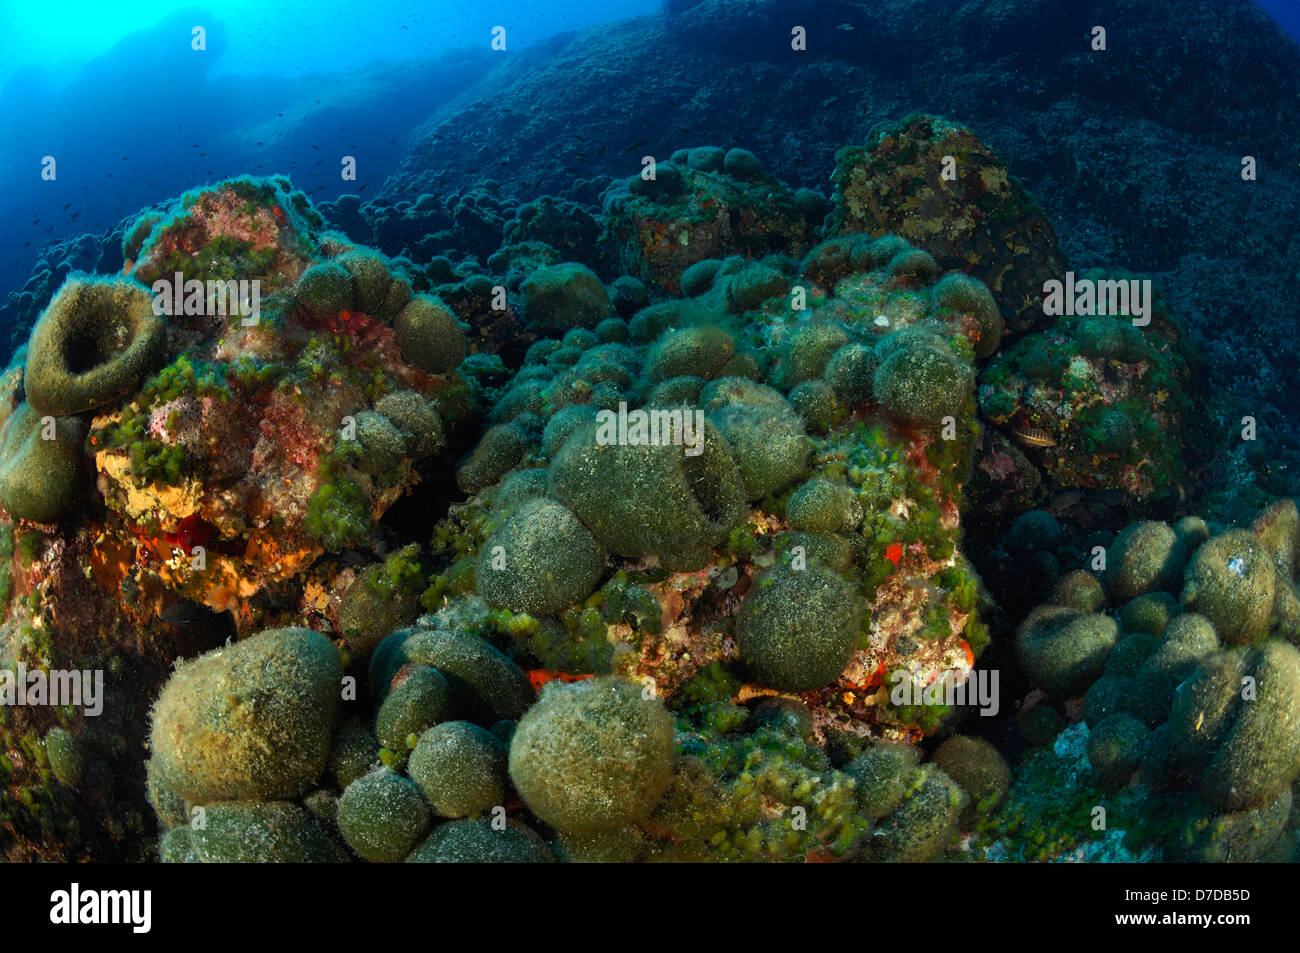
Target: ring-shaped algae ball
point(541, 561)
point(593, 756)
point(94, 344)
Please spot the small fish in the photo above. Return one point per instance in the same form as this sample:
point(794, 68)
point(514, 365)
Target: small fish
point(1035, 437)
point(1237, 565)
point(1063, 501)
point(181, 612)
point(894, 552)
point(636, 145)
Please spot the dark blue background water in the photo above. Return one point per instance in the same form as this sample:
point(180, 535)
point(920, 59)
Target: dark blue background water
point(290, 90)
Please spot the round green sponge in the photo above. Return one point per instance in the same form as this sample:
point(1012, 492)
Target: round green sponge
point(593, 756)
point(541, 561)
point(250, 721)
point(798, 629)
point(429, 336)
point(39, 477)
point(460, 768)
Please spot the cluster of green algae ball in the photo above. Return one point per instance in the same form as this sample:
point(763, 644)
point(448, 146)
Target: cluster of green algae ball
point(1201, 691)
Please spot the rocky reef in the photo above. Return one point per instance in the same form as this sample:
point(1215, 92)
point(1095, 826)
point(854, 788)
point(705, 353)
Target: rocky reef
point(631, 526)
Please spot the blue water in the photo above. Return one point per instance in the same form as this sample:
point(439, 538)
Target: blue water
point(133, 115)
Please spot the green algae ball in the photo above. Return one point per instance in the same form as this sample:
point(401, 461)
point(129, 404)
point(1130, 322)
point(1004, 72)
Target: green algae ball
point(541, 561)
point(559, 297)
point(1115, 748)
point(924, 824)
point(1186, 640)
point(920, 385)
point(850, 371)
point(482, 842)
point(1079, 589)
point(1231, 581)
point(93, 345)
point(1149, 614)
point(415, 418)
point(1063, 650)
point(1145, 557)
point(1107, 696)
point(64, 755)
point(250, 721)
point(797, 629)
point(748, 288)
point(1114, 432)
point(381, 443)
point(766, 434)
point(1205, 836)
point(699, 277)
point(354, 752)
point(499, 452)
point(383, 597)
point(621, 493)
point(39, 477)
point(958, 292)
point(325, 289)
point(381, 816)
point(978, 768)
point(882, 776)
point(821, 506)
point(460, 768)
point(593, 756)
point(275, 832)
point(1236, 725)
point(486, 685)
point(914, 265)
point(694, 352)
point(420, 699)
point(1129, 653)
point(817, 405)
point(429, 335)
point(808, 350)
point(1039, 724)
point(370, 278)
point(742, 164)
point(816, 549)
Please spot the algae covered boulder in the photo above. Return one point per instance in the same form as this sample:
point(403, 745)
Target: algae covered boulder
point(1235, 725)
point(382, 815)
point(593, 756)
point(250, 721)
point(275, 832)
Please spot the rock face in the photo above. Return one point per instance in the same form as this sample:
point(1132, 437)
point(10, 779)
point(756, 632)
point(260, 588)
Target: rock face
point(1134, 153)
